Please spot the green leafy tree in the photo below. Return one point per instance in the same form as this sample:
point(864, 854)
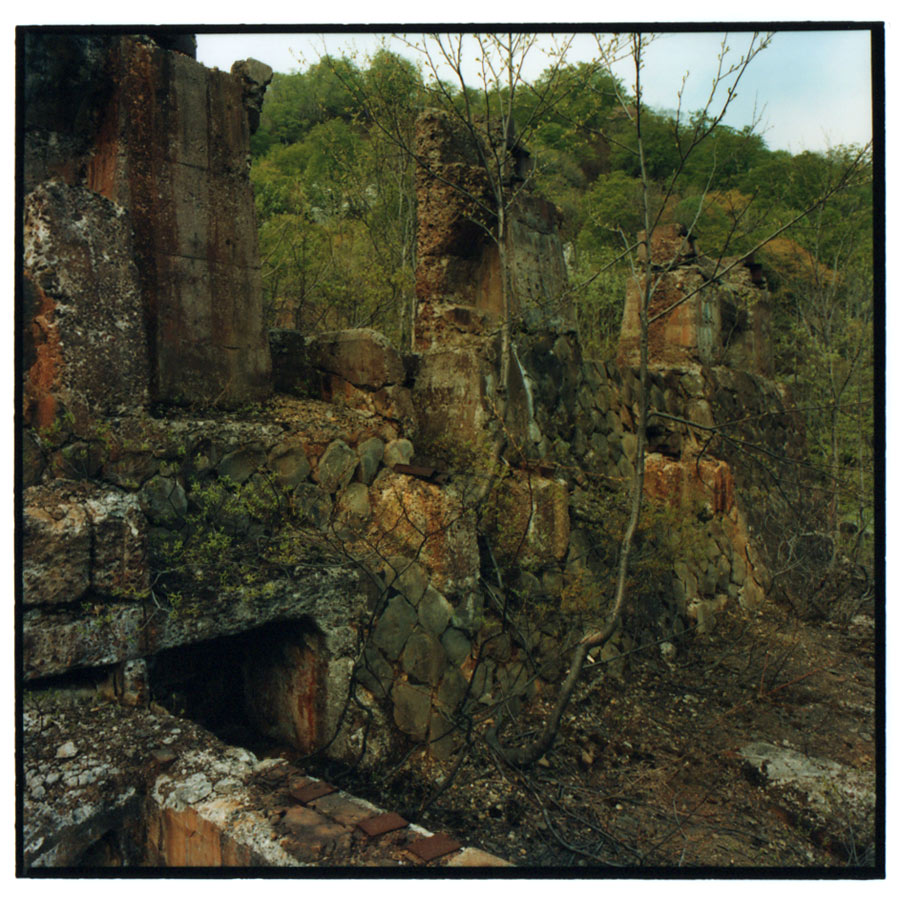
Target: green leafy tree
point(335, 198)
point(826, 295)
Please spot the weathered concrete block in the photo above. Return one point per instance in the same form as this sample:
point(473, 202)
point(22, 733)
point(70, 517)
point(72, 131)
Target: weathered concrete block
point(454, 384)
point(79, 537)
point(85, 341)
point(361, 356)
point(698, 320)
point(56, 549)
point(120, 565)
point(175, 157)
point(689, 483)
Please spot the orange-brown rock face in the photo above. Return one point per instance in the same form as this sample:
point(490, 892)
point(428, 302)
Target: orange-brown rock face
point(689, 482)
point(701, 321)
point(427, 523)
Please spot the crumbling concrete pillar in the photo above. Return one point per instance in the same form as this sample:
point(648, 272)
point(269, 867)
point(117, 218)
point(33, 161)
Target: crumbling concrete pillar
point(704, 318)
point(458, 260)
point(85, 346)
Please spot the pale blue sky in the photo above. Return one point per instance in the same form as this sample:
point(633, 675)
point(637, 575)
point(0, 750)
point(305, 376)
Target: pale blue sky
point(811, 89)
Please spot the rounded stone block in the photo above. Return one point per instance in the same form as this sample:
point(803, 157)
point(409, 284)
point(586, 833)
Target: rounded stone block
point(444, 737)
point(163, 500)
point(336, 467)
point(423, 658)
point(241, 464)
point(313, 505)
point(412, 709)
point(289, 463)
point(394, 627)
point(434, 612)
point(456, 644)
point(371, 453)
point(452, 689)
point(353, 502)
point(398, 452)
point(407, 578)
point(375, 673)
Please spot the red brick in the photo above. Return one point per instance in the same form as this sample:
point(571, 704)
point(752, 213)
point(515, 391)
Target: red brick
point(382, 824)
point(310, 791)
point(433, 847)
point(313, 835)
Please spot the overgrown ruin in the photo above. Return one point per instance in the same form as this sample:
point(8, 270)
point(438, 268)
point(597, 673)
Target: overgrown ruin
point(314, 539)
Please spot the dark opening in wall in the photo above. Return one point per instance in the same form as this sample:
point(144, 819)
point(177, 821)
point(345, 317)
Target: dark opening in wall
point(124, 846)
point(247, 689)
point(77, 685)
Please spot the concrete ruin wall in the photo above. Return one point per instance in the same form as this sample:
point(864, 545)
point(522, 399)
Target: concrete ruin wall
point(713, 320)
point(165, 140)
point(458, 277)
point(328, 543)
point(160, 791)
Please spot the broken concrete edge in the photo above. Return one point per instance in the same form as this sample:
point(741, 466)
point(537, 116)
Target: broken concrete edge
point(203, 803)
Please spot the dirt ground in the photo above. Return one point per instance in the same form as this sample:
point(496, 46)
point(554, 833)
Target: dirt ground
point(648, 769)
